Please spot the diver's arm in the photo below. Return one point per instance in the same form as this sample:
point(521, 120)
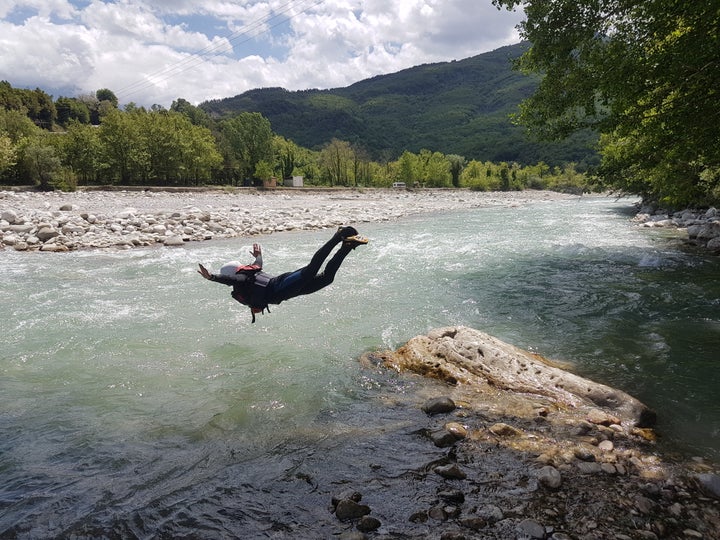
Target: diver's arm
point(234, 279)
point(257, 253)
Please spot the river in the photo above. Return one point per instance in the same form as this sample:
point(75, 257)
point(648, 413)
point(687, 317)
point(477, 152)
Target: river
point(137, 399)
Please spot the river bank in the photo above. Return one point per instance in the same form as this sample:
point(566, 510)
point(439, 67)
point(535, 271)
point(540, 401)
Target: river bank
point(58, 221)
point(701, 226)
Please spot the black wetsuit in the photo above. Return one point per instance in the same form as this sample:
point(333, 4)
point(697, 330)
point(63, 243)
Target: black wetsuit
point(256, 289)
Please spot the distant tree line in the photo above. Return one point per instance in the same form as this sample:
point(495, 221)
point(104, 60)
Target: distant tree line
point(88, 140)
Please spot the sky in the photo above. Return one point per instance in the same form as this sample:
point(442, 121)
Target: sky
point(155, 51)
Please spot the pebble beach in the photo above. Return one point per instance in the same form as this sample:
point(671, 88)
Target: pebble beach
point(59, 221)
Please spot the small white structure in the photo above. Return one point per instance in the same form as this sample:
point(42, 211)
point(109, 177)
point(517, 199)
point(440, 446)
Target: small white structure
point(294, 181)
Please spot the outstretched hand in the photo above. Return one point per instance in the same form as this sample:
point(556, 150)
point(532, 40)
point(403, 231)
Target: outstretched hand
point(256, 250)
point(204, 272)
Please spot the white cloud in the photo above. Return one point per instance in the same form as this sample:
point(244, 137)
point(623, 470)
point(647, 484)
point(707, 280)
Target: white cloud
point(44, 8)
point(155, 51)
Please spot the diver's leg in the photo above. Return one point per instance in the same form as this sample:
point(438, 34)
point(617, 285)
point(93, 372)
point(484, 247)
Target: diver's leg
point(292, 284)
point(328, 275)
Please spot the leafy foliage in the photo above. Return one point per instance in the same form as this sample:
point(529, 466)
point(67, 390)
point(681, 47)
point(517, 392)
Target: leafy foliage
point(247, 141)
point(35, 104)
point(69, 109)
point(645, 74)
point(8, 153)
point(41, 163)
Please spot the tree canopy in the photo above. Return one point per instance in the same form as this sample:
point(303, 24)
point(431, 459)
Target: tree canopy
point(645, 74)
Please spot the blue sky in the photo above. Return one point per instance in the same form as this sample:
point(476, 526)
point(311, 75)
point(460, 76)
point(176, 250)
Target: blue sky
point(155, 51)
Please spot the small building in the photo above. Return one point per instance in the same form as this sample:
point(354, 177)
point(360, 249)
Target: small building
point(294, 181)
point(270, 182)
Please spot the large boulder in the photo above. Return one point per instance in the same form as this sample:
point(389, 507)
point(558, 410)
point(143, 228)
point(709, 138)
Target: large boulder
point(481, 363)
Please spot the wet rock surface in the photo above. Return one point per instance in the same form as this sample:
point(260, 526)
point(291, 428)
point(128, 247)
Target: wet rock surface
point(702, 227)
point(535, 463)
point(469, 358)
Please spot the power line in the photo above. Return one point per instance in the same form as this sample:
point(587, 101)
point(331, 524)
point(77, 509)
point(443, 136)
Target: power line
point(211, 51)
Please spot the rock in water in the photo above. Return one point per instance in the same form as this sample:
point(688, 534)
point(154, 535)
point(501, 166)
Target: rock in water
point(451, 471)
point(549, 477)
point(710, 484)
point(465, 356)
point(347, 510)
point(439, 405)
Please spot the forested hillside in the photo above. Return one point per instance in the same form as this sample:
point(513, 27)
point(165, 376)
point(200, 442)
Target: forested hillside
point(461, 107)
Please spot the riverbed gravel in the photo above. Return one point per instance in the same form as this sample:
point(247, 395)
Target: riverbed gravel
point(59, 221)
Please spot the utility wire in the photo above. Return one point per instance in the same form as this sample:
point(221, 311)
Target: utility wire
point(211, 51)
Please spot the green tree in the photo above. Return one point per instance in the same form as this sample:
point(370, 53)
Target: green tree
point(16, 129)
point(80, 151)
point(99, 104)
point(122, 153)
point(434, 169)
point(105, 94)
point(310, 169)
point(568, 180)
point(41, 163)
point(16, 125)
point(335, 160)
point(537, 173)
point(37, 105)
point(200, 154)
point(161, 137)
point(473, 172)
point(71, 109)
point(157, 147)
point(457, 163)
point(40, 108)
point(8, 153)
point(247, 141)
point(645, 74)
point(407, 168)
point(287, 154)
point(196, 115)
point(361, 169)
point(263, 171)
point(92, 103)
point(10, 98)
point(504, 177)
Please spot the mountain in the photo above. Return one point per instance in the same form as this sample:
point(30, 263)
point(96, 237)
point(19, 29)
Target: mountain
point(459, 107)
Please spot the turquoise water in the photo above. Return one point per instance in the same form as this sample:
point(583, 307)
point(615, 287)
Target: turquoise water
point(131, 389)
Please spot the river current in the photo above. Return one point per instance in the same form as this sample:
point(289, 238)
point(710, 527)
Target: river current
point(137, 399)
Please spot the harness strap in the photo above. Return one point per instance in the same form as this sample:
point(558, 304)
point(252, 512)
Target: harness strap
point(260, 280)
